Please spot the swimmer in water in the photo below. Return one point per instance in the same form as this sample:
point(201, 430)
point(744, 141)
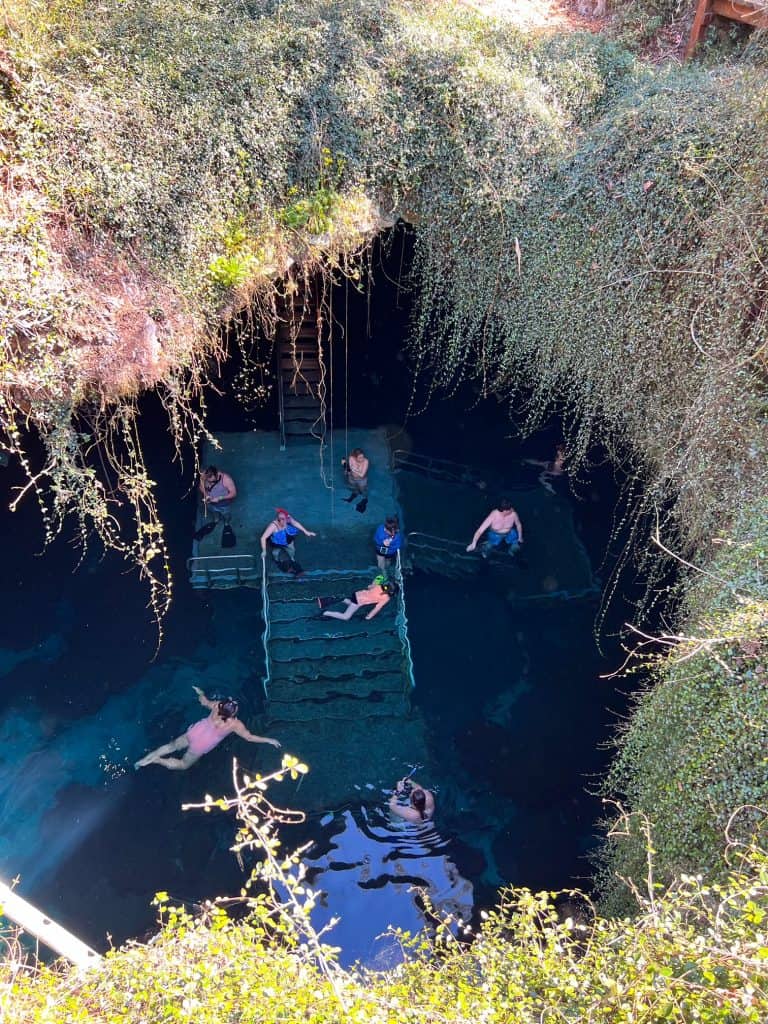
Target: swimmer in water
point(421, 802)
point(203, 736)
point(504, 528)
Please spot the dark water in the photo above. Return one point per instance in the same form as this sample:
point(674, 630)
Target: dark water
point(514, 707)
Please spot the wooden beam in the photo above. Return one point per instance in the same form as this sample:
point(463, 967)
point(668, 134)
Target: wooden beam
point(52, 935)
point(743, 11)
point(700, 21)
point(755, 15)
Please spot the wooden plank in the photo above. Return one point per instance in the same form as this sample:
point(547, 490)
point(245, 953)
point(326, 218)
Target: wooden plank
point(746, 13)
point(35, 922)
point(700, 21)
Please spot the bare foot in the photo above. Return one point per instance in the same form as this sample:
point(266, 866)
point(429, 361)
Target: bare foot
point(148, 759)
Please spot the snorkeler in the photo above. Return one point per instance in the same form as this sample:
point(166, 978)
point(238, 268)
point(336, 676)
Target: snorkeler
point(203, 736)
point(380, 592)
point(387, 540)
point(218, 491)
point(421, 802)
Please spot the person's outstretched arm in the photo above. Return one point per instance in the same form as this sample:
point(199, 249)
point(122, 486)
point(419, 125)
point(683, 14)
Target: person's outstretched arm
point(518, 526)
point(297, 524)
point(203, 699)
point(241, 730)
point(480, 531)
point(266, 535)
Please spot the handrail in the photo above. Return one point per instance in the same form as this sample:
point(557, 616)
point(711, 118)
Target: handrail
point(280, 397)
point(446, 467)
point(430, 536)
point(226, 561)
point(401, 621)
point(265, 613)
point(453, 472)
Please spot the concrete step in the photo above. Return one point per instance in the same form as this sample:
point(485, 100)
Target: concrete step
point(288, 588)
point(341, 708)
point(299, 388)
point(342, 667)
point(298, 689)
point(287, 649)
point(291, 401)
point(307, 627)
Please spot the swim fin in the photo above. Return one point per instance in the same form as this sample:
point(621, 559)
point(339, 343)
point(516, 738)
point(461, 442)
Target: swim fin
point(362, 505)
point(228, 538)
point(204, 530)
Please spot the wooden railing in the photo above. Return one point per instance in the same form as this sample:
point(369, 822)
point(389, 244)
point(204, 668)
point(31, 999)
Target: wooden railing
point(753, 13)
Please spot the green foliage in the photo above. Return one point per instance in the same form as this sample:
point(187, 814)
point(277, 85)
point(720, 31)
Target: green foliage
point(591, 239)
point(697, 952)
point(696, 746)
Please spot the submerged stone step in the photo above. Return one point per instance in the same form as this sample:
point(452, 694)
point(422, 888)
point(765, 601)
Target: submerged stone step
point(341, 666)
point(298, 689)
point(309, 626)
point(284, 587)
point(317, 649)
point(341, 708)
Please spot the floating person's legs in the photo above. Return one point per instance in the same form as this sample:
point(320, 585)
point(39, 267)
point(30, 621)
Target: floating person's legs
point(347, 614)
point(180, 743)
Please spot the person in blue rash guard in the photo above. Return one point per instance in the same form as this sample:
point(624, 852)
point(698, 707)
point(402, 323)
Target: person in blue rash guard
point(279, 535)
point(388, 541)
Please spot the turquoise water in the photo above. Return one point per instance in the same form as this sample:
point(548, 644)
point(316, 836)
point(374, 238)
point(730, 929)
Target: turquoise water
point(509, 711)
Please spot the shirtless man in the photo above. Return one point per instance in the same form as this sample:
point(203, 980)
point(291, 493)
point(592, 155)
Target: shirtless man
point(378, 594)
point(503, 526)
point(356, 472)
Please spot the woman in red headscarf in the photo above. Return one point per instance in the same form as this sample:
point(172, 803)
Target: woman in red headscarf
point(279, 535)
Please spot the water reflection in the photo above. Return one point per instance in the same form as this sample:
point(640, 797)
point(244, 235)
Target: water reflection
point(371, 872)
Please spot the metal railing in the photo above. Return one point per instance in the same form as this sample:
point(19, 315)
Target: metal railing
point(265, 613)
point(443, 469)
point(221, 566)
point(453, 472)
point(281, 400)
point(401, 622)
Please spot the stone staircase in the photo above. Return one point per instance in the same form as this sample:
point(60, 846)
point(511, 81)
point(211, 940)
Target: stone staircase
point(300, 373)
point(324, 668)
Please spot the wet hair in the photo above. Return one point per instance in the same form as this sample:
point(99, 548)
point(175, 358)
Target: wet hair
point(419, 800)
point(357, 452)
point(211, 471)
point(505, 505)
point(228, 708)
point(392, 522)
point(390, 588)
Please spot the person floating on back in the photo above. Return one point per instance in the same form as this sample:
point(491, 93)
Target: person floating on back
point(388, 540)
point(379, 593)
point(218, 491)
point(203, 736)
point(279, 535)
point(503, 528)
point(421, 802)
point(550, 470)
point(356, 473)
